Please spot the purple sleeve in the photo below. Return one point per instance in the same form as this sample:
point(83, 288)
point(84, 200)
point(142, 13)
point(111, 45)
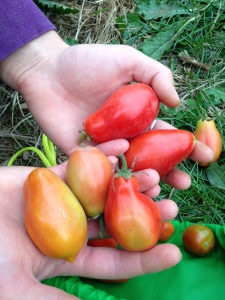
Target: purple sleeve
point(20, 22)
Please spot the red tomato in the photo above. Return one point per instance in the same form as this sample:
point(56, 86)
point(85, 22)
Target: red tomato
point(88, 174)
point(104, 242)
point(126, 113)
point(132, 218)
point(160, 150)
point(199, 240)
point(167, 231)
point(207, 133)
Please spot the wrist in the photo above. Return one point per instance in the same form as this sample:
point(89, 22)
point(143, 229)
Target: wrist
point(20, 64)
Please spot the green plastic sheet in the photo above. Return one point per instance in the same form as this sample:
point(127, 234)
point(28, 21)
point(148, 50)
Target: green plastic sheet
point(201, 278)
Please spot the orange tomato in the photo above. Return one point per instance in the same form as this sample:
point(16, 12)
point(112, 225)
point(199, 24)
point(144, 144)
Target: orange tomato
point(207, 133)
point(54, 219)
point(88, 174)
point(167, 231)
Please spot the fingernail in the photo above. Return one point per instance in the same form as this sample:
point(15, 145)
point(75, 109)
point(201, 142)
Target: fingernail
point(176, 95)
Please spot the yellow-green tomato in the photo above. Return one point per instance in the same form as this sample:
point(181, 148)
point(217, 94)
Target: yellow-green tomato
point(54, 218)
point(207, 133)
point(88, 174)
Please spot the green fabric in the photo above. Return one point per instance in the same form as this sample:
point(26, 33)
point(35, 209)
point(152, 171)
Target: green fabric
point(201, 278)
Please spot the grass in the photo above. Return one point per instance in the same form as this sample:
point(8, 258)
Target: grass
point(189, 38)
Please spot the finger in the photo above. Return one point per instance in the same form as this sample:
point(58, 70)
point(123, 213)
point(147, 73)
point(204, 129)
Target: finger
point(201, 153)
point(148, 179)
point(153, 73)
point(159, 124)
point(168, 210)
point(153, 192)
point(114, 147)
point(177, 179)
point(100, 262)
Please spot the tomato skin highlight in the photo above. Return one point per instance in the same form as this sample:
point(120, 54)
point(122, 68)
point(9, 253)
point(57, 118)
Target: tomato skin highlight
point(125, 114)
point(207, 133)
point(199, 240)
point(88, 174)
point(132, 218)
point(54, 219)
point(160, 150)
point(167, 231)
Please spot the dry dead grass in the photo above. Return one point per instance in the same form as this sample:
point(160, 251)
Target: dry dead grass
point(94, 24)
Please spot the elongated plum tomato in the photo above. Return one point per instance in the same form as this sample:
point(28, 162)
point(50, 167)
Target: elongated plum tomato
point(167, 231)
point(199, 240)
point(132, 218)
point(88, 174)
point(207, 133)
point(54, 219)
point(160, 150)
point(126, 113)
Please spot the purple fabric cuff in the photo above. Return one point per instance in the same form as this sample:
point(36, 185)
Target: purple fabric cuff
point(20, 22)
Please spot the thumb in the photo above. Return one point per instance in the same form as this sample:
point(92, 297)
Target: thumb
point(157, 75)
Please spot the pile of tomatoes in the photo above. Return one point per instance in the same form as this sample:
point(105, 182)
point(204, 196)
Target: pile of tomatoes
point(56, 212)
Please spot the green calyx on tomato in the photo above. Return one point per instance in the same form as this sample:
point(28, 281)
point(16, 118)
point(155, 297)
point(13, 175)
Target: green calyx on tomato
point(83, 137)
point(132, 218)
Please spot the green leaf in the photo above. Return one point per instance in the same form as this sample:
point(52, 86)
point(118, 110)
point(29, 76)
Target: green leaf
point(55, 7)
point(129, 25)
point(153, 9)
point(161, 42)
point(216, 175)
point(215, 95)
point(71, 42)
point(156, 46)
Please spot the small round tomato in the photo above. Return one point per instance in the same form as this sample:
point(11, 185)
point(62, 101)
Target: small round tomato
point(167, 231)
point(199, 240)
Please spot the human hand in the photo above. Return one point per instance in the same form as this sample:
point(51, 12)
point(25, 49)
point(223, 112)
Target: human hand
point(23, 266)
point(62, 85)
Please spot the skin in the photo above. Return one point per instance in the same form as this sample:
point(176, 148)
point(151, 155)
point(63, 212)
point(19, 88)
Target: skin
point(62, 85)
point(24, 265)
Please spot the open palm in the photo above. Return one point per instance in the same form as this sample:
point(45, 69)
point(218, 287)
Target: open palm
point(23, 266)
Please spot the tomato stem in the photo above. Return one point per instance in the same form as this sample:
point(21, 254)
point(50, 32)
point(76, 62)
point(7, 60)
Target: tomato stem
point(124, 171)
point(83, 136)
